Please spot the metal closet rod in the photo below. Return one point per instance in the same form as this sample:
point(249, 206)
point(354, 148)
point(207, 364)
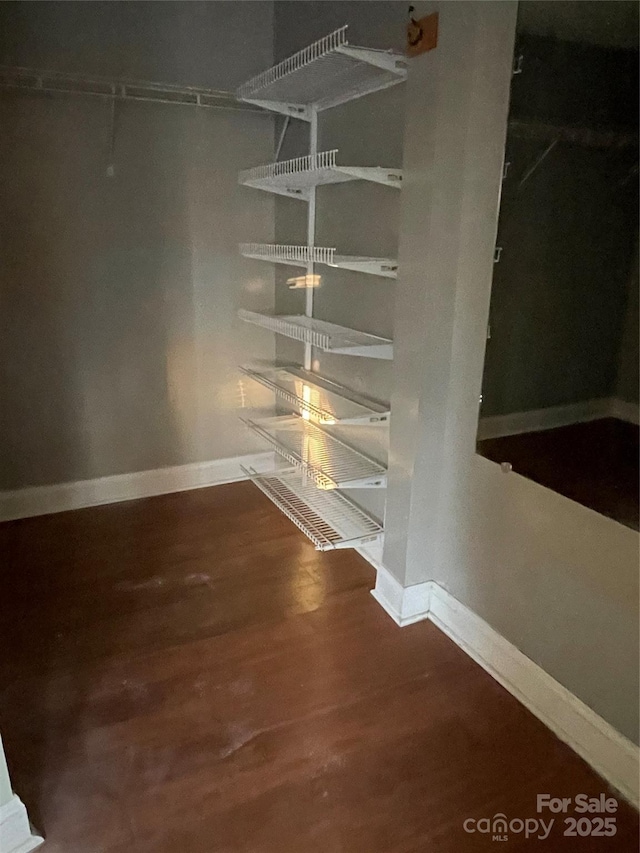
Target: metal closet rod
point(60, 82)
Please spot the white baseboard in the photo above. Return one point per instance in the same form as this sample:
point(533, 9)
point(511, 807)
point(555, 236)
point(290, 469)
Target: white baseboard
point(42, 500)
point(405, 605)
point(15, 830)
point(625, 411)
point(556, 416)
point(610, 754)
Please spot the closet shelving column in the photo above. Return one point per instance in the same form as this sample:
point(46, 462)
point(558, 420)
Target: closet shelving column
point(324, 74)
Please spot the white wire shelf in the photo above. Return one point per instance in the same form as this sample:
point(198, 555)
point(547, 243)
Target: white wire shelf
point(295, 178)
point(328, 518)
point(325, 336)
point(321, 400)
point(300, 256)
point(296, 256)
point(326, 73)
point(327, 460)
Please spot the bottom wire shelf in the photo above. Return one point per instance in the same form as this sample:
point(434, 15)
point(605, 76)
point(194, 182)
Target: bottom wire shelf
point(328, 518)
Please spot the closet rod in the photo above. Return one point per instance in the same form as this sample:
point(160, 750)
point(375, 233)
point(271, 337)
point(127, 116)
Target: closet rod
point(58, 82)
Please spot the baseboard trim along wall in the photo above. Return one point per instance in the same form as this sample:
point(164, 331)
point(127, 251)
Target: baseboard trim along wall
point(625, 411)
point(15, 832)
point(610, 754)
point(515, 423)
point(42, 500)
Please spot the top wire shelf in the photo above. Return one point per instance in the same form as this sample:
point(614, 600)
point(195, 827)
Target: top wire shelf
point(322, 75)
point(295, 178)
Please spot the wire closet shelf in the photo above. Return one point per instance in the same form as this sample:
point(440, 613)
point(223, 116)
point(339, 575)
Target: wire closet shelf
point(300, 256)
point(322, 75)
point(318, 333)
point(294, 178)
point(328, 518)
point(321, 400)
point(323, 457)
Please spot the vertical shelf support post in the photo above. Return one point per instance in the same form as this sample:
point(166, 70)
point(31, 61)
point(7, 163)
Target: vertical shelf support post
point(311, 232)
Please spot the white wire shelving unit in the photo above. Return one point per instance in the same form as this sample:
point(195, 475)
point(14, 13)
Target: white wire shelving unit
point(322, 75)
point(328, 518)
point(294, 178)
point(301, 256)
point(322, 457)
point(317, 398)
point(325, 336)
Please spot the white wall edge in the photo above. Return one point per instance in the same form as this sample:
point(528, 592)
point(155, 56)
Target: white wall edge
point(405, 605)
point(608, 752)
point(556, 416)
point(42, 500)
point(15, 830)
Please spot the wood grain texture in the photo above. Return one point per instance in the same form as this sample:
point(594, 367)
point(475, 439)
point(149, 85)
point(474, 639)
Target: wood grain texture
point(186, 674)
point(594, 464)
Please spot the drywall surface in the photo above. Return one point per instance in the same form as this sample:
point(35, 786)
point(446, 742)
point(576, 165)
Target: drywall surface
point(627, 379)
point(559, 290)
point(5, 784)
point(614, 23)
point(118, 295)
point(215, 45)
point(557, 580)
point(567, 233)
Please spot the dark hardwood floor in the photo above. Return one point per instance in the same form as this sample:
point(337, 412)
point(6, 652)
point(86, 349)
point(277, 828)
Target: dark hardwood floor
point(595, 464)
point(185, 674)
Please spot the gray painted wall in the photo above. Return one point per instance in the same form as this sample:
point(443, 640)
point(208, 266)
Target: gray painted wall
point(567, 233)
point(556, 579)
point(612, 22)
point(218, 44)
point(118, 335)
point(560, 288)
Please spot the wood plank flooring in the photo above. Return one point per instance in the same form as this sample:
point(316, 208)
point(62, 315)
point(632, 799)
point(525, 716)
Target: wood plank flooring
point(186, 674)
point(595, 464)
